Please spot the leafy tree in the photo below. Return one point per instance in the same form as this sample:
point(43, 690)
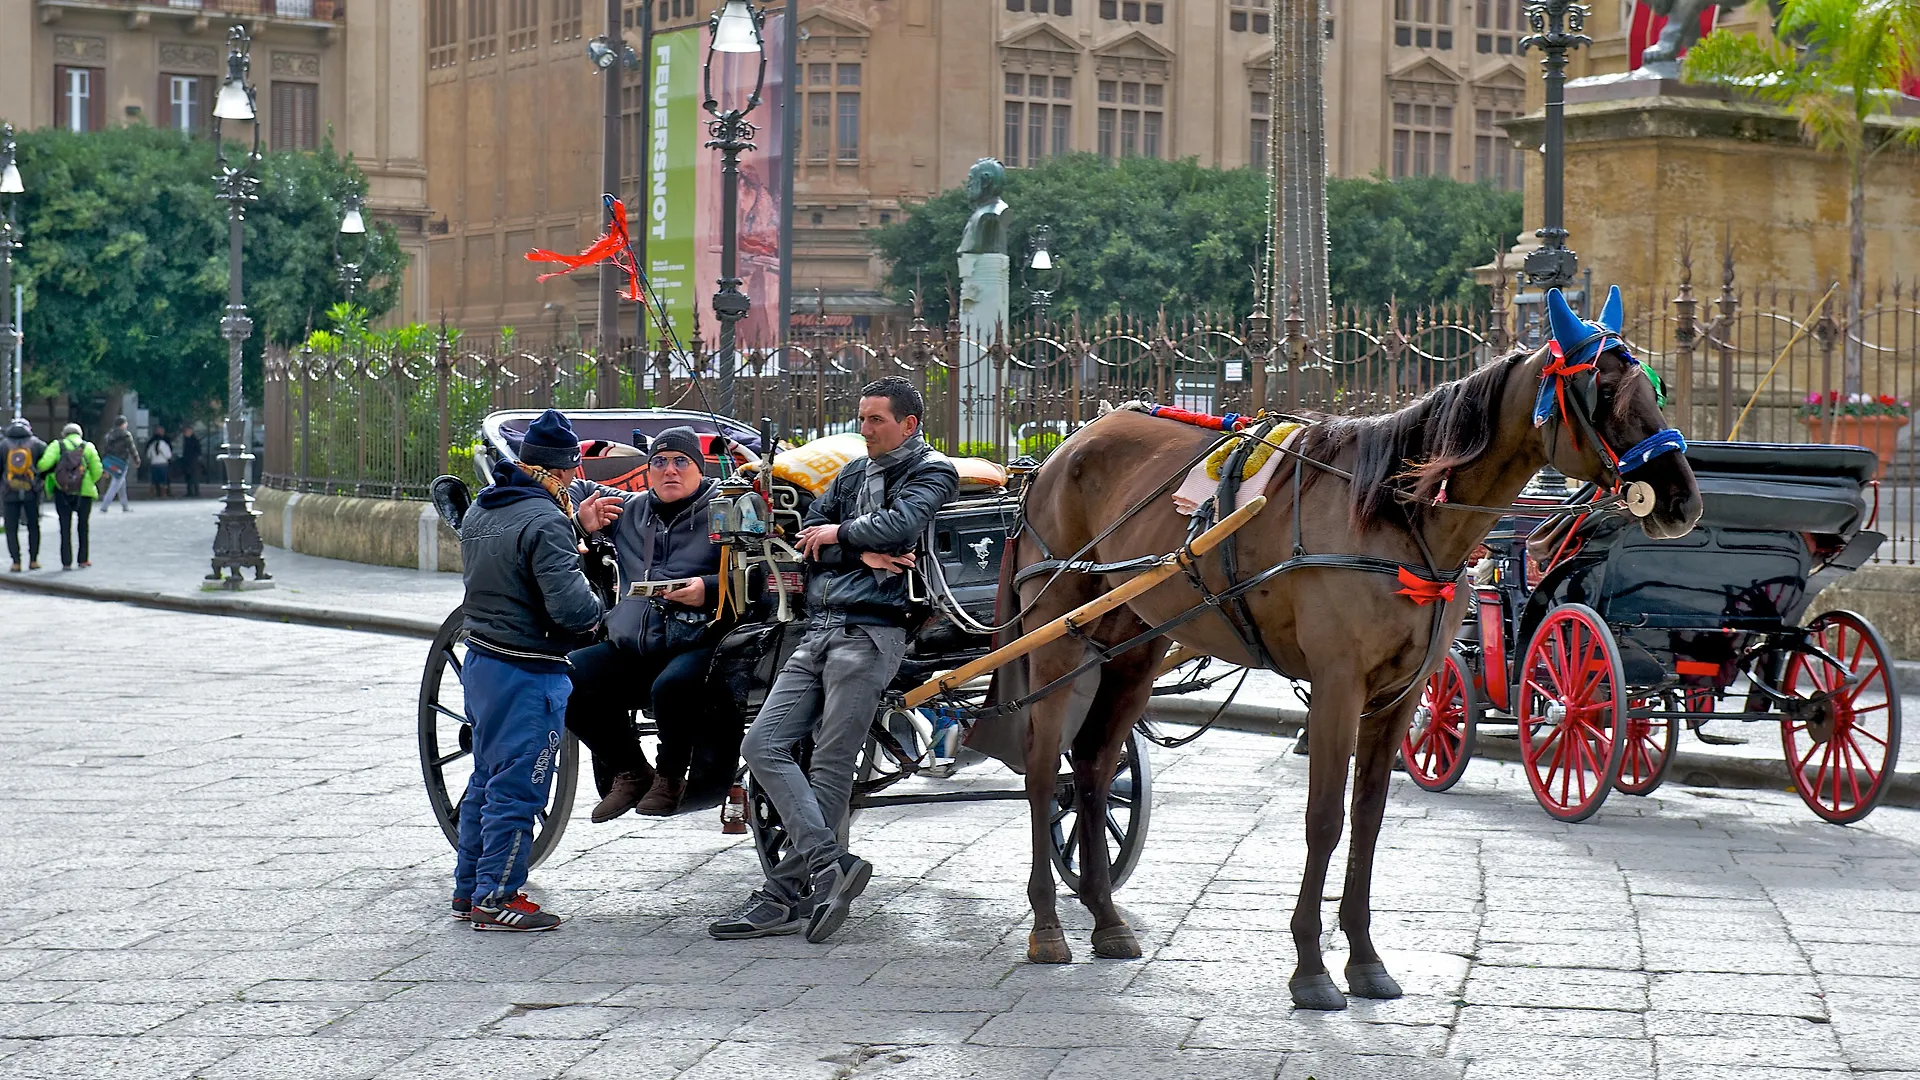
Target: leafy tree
point(1142, 234)
point(1414, 240)
point(1833, 64)
point(125, 263)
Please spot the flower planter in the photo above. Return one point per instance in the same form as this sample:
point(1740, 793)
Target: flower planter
point(1876, 433)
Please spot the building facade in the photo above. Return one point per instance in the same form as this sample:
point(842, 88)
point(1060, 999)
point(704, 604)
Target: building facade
point(87, 64)
point(895, 99)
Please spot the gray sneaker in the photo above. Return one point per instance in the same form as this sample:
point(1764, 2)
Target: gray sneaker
point(760, 916)
point(834, 888)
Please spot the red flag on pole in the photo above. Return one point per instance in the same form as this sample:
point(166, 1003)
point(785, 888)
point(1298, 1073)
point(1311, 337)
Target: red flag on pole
point(613, 246)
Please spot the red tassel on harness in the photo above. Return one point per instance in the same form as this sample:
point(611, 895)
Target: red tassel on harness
point(1422, 591)
point(613, 246)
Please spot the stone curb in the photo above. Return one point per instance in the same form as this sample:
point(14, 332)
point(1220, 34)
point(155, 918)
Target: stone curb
point(1690, 767)
point(221, 603)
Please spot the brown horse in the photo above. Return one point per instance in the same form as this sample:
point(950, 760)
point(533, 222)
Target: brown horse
point(1346, 631)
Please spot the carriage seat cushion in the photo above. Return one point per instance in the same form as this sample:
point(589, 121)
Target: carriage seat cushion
point(1856, 463)
point(1789, 504)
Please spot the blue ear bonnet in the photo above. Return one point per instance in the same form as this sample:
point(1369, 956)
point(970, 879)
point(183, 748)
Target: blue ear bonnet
point(1581, 342)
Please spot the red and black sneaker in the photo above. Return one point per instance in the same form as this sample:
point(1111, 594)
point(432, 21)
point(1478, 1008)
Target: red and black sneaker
point(518, 914)
point(462, 908)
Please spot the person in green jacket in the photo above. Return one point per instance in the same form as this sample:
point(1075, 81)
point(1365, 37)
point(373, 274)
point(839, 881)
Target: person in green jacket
point(72, 468)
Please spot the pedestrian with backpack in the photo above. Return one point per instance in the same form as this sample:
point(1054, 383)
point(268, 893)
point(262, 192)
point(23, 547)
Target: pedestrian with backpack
point(72, 467)
point(20, 457)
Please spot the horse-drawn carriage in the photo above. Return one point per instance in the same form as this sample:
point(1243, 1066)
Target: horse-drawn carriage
point(1600, 645)
point(1630, 616)
point(904, 758)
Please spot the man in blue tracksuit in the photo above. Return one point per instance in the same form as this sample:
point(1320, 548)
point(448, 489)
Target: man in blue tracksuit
point(527, 606)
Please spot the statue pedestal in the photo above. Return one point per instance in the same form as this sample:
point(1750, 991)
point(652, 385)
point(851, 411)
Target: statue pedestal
point(985, 282)
point(1647, 155)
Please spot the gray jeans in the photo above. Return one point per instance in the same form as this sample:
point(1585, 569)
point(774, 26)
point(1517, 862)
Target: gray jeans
point(830, 689)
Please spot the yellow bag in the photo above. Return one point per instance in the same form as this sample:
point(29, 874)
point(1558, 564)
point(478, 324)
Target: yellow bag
point(814, 465)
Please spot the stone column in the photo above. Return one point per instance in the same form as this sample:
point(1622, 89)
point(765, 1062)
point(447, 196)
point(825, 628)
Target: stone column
point(985, 282)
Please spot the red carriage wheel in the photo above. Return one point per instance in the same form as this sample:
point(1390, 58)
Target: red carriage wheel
point(1650, 742)
point(1440, 740)
point(1841, 756)
point(1573, 711)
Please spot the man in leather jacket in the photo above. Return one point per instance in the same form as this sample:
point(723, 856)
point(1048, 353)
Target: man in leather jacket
point(659, 647)
point(527, 606)
point(860, 534)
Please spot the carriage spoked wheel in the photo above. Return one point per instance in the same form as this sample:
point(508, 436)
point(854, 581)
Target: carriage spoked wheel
point(1841, 755)
point(1573, 712)
point(1439, 743)
point(1128, 810)
point(1651, 739)
point(1129, 807)
point(446, 747)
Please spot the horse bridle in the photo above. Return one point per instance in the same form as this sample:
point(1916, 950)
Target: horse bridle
point(1561, 379)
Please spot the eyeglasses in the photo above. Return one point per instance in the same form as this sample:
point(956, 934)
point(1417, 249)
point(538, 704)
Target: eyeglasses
point(671, 461)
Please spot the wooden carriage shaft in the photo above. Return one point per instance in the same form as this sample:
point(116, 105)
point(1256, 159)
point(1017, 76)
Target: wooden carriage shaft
point(1086, 614)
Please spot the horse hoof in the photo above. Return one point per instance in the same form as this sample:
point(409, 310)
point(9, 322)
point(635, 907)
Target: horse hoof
point(1317, 992)
point(1371, 981)
point(1116, 943)
point(1049, 947)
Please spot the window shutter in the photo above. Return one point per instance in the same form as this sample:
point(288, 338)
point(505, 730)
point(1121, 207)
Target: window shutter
point(97, 100)
point(281, 125)
point(163, 104)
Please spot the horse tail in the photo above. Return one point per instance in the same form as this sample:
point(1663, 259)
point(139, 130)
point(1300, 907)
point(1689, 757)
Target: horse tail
point(1005, 737)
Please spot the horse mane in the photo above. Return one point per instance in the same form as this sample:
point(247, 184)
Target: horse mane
point(1412, 450)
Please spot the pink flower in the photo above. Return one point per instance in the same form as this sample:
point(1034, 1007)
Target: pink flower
point(1813, 398)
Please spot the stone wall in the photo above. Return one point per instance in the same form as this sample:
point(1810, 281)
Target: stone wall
point(1889, 597)
point(383, 532)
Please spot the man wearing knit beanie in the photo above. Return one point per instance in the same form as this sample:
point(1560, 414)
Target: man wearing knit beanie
point(527, 605)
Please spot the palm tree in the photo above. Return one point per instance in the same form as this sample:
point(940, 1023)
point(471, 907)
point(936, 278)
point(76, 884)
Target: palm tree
point(1833, 64)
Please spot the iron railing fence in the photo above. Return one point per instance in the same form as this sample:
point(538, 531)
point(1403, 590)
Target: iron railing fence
point(1740, 363)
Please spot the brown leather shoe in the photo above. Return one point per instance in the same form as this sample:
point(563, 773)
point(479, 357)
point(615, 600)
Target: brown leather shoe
point(663, 798)
point(621, 797)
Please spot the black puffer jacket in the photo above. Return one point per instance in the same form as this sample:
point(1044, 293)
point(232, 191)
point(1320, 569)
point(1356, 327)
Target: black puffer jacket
point(679, 549)
point(841, 588)
point(526, 597)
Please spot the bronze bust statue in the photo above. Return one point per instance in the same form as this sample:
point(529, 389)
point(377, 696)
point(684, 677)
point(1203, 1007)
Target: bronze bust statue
point(985, 233)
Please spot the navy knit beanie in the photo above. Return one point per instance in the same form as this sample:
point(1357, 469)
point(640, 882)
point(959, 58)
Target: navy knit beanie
point(550, 442)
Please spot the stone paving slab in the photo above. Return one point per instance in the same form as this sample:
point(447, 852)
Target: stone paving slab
point(244, 882)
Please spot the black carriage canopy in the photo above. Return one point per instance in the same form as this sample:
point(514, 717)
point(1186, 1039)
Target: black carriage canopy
point(616, 427)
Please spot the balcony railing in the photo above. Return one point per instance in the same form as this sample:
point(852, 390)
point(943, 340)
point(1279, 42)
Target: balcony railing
point(303, 10)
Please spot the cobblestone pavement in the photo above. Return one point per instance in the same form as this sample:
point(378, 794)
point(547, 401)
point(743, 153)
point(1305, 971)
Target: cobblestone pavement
point(231, 872)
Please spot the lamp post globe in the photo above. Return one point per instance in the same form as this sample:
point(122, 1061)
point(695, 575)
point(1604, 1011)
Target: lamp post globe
point(236, 539)
point(1041, 276)
point(352, 223)
point(735, 28)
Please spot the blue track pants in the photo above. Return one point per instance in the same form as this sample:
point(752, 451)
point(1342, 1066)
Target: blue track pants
point(518, 716)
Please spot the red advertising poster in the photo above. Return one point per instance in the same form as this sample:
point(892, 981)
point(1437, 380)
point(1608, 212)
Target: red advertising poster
point(761, 169)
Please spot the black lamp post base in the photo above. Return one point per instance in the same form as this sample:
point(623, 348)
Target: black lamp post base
point(236, 542)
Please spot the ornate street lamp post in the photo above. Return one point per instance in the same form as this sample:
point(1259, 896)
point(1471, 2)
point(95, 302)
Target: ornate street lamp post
point(1041, 277)
point(1557, 26)
point(236, 542)
point(9, 337)
point(352, 223)
point(736, 29)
